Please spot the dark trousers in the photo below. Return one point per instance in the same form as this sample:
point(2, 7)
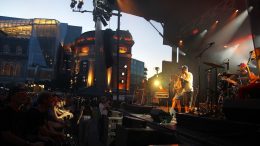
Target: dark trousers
point(186, 99)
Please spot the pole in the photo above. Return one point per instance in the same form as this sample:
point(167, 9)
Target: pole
point(117, 55)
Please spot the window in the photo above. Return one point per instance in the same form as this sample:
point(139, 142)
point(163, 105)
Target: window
point(7, 69)
point(6, 49)
point(19, 50)
point(17, 71)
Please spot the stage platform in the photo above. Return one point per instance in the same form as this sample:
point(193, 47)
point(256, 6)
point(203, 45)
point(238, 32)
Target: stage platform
point(194, 129)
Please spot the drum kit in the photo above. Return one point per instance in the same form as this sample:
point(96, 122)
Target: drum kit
point(227, 85)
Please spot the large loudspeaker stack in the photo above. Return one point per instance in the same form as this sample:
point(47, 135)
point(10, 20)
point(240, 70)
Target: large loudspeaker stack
point(108, 47)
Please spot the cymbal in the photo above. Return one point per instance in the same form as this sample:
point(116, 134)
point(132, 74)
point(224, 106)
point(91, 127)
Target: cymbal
point(213, 65)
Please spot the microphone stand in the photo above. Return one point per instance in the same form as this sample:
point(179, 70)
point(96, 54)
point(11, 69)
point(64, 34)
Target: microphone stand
point(199, 68)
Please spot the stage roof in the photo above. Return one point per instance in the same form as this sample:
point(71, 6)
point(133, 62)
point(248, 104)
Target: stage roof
point(180, 17)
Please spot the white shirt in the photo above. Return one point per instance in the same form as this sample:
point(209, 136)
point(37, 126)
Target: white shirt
point(103, 109)
point(188, 87)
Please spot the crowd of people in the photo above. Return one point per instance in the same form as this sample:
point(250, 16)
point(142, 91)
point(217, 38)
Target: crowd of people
point(32, 119)
point(48, 118)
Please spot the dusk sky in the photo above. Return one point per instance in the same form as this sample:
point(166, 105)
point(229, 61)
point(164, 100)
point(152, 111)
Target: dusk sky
point(148, 45)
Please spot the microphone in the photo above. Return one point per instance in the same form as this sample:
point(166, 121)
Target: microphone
point(212, 43)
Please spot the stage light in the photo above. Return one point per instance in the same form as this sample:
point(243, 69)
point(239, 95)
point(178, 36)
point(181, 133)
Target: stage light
point(195, 31)
point(156, 83)
point(80, 4)
point(107, 16)
point(180, 43)
point(103, 10)
point(250, 8)
point(73, 3)
point(103, 20)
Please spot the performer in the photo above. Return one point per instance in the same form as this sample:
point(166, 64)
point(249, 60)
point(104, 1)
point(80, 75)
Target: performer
point(187, 84)
point(178, 91)
point(252, 88)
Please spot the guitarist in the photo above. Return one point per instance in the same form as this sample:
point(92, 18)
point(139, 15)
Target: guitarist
point(253, 86)
point(178, 91)
point(187, 84)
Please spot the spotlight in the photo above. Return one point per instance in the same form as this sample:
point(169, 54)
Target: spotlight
point(156, 83)
point(103, 20)
point(107, 16)
point(73, 3)
point(195, 31)
point(80, 4)
point(250, 8)
point(181, 43)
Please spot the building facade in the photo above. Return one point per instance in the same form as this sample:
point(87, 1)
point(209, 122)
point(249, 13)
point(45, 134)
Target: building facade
point(137, 74)
point(40, 40)
point(13, 59)
point(88, 62)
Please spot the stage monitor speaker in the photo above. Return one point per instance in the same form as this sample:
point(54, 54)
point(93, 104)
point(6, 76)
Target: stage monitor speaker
point(160, 116)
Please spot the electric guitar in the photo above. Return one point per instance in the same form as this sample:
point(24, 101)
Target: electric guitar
point(252, 77)
point(183, 81)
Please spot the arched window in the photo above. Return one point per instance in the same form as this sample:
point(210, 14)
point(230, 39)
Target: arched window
point(19, 50)
point(7, 69)
point(17, 70)
point(12, 73)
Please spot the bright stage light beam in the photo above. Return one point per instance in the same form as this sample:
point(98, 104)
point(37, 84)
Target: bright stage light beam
point(156, 83)
point(227, 32)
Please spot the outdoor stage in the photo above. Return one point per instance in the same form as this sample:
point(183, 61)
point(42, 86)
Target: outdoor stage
point(191, 129)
